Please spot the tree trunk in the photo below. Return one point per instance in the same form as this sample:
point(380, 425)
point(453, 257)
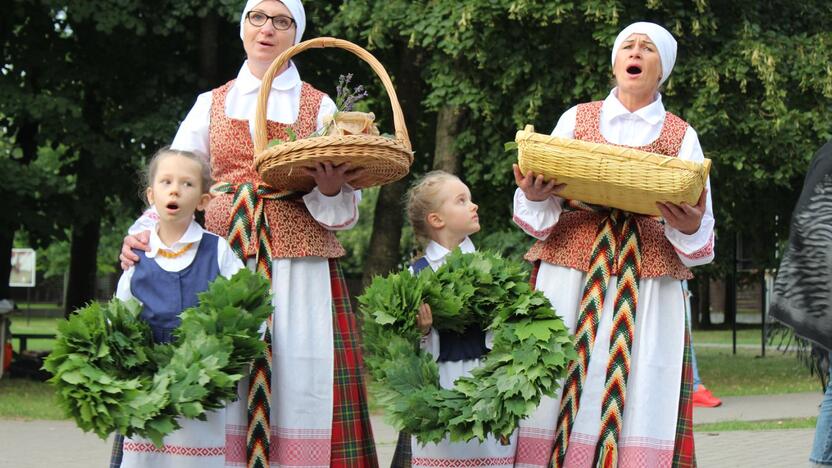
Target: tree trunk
point(6, 243)
point(208, 50)
point(383, 251)
point(82, 264)
point(89, 206)
point(26, 140)
point(449, 122)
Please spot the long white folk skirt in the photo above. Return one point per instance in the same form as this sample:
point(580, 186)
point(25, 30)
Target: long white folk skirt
point(653, 387)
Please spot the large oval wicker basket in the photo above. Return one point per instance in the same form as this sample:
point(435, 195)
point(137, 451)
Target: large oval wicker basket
point(382, 159)
point(608, 175)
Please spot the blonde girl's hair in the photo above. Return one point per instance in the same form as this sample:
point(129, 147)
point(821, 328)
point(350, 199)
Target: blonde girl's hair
point(424, 198)
point(150, 171)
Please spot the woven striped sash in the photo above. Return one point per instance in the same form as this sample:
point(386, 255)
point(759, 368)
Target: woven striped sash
point(616, 251)
point(249, 227)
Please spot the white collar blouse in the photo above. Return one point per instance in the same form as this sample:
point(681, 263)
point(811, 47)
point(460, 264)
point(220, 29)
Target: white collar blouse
point(435, 253)
point(621, 127)
point(241, 103)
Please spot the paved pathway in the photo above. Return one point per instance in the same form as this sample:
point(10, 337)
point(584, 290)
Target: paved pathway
point(761, 408)
point(47, 444)
point(787, 448)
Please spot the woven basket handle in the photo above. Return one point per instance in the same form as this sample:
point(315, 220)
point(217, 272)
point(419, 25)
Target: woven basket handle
point(260, 135)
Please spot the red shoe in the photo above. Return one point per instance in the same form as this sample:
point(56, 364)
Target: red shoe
point(704, 398)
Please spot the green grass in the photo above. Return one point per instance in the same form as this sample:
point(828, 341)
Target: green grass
point(34, 325)
point(27, 399)
point(744, 336)
point(24, 306)
point(774, 424)
point(724, 373)
point(742, 374)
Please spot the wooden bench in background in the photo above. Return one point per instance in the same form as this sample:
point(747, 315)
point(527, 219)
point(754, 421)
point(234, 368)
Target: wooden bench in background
point(25, 337)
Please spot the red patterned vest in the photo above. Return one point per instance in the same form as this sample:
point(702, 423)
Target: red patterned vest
point(570, 242)
point(294, 232)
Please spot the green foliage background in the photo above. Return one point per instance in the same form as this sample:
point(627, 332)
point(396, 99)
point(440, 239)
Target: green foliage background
point(89, 89)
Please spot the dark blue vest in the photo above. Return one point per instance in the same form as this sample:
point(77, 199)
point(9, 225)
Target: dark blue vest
point(165, 294)
point(453, 346)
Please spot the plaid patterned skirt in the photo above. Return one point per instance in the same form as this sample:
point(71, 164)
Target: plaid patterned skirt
point(352, 436)
point(117, 452)
point(684, 455)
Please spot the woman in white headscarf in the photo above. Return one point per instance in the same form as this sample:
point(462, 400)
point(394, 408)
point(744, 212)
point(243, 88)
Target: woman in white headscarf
point(318, 415)
point(626, 400)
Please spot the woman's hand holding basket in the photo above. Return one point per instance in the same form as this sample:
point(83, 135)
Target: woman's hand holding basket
point(535, 187)
point(683, 217)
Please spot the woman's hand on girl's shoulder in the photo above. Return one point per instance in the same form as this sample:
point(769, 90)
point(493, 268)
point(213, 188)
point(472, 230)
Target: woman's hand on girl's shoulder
point(535, 187)
point(139, 241)
point(424, 319)
point(330, 178)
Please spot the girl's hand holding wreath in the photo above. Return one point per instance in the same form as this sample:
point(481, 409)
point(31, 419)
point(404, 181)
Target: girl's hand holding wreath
point(425, 318)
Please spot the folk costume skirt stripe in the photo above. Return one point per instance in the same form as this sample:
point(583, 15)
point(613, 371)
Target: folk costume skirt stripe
point(197, 444)
point(316, 365)
point(648, 436)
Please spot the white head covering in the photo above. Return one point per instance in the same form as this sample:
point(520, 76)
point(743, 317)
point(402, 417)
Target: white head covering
point(295, 8)
point(660, 36)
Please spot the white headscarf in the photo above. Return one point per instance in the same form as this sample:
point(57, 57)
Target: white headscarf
point(295, 8)
point(660, 36)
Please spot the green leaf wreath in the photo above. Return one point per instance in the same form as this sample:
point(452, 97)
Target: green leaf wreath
point(531, 349)
point(110, 376)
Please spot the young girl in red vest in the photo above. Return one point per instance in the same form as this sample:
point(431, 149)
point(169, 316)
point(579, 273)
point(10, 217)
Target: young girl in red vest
point(182, 260)
point(442, 214)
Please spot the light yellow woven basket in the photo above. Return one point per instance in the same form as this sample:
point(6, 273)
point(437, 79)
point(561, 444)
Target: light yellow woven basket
point(383, 160)
point(608, 175)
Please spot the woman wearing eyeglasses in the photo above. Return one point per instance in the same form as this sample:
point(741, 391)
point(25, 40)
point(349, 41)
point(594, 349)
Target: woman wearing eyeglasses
point(318, 413)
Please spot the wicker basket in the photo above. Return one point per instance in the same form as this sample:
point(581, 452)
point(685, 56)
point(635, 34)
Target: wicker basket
point(383, 160)
point(613, 176)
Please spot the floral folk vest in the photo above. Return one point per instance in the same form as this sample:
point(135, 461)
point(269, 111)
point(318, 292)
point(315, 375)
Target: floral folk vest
point(570, 242)
point(295, 233)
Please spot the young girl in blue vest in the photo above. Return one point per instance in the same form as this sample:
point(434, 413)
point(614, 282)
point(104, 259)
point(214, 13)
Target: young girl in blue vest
point(442, 214)
point(182, 260)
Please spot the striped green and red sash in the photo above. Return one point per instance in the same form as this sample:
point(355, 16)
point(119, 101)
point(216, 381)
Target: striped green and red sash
point(616, 251)
point(249, 235)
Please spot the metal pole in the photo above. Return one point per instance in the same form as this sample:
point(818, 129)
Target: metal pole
point(733, 295)
point(2, 343)
point(763, 312)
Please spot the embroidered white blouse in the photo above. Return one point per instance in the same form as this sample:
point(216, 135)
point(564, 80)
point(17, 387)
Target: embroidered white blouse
point(620, 126)
point(338, 212)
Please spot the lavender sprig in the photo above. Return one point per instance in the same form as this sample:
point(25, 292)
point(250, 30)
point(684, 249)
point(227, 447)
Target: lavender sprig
point(345, 97)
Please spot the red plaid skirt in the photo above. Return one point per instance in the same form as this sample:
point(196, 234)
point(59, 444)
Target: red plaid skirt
point(352, 436)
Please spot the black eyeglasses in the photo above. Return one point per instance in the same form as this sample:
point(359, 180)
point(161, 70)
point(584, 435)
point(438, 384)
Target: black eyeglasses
point(280, 22)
